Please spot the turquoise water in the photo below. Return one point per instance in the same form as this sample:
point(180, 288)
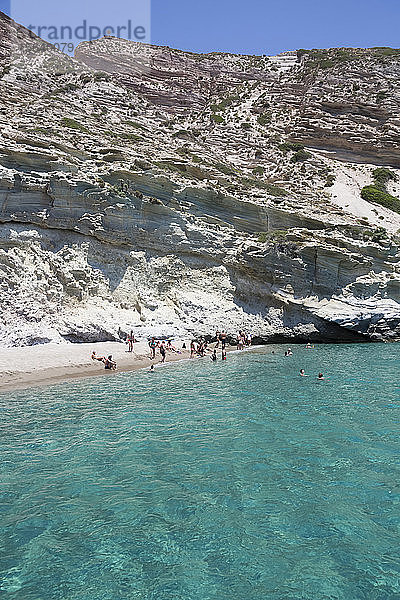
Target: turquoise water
point(207, 481)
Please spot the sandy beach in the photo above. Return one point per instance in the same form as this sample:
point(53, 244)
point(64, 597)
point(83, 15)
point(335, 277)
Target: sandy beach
point(46, 364)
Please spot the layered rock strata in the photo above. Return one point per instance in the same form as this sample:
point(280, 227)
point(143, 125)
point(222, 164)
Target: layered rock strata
point(151, 189)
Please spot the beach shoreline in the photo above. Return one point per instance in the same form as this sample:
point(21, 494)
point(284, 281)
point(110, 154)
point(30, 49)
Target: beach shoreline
point(50, 364)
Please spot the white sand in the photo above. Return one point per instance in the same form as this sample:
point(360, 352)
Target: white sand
point(50, 363)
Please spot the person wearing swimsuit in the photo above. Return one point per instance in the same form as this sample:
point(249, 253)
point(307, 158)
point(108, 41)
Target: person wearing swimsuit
point(222, 337)
point(109, 363)
point(162, 352)
point(152, 345)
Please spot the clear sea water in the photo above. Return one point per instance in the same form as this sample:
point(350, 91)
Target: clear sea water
point(239, 481)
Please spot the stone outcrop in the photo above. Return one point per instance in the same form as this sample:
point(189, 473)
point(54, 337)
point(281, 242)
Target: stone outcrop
point(148, 188)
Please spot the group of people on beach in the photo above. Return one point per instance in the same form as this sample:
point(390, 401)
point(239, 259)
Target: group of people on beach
point(243, 339)
point(198, 348)
point(201, 347)
point(163, 346)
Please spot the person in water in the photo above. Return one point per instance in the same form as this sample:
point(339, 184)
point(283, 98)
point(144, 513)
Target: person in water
point(214, 356)
point(151, 370)
point(109, 363)
point(223, 355)
point(217, 336)
point(302, 373)
point(320, 376)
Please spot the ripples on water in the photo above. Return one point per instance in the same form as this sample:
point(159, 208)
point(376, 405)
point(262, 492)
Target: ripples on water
point(207, 481)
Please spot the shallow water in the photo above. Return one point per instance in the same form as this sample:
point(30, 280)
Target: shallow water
point(207, 481)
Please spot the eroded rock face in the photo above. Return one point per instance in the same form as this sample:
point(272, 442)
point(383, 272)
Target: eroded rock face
point(156, 195)
point(347, 101)
point(172, 78)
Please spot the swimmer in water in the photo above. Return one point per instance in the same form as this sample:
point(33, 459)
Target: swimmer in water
point(302, 373)
point(320, 376)
point(152, 369)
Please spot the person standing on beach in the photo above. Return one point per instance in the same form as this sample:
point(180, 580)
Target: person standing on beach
point(162, 351)
point(131, 340)
point(152, 345)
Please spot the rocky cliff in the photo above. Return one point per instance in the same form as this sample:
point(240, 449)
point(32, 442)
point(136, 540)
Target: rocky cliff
point(168, 192)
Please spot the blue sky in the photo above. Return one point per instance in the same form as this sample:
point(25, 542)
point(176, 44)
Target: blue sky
point(262, 26)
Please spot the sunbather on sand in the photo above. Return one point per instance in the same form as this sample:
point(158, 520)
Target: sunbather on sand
point(109, 363)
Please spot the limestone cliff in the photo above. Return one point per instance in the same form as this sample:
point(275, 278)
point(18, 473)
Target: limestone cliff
point(148, 188)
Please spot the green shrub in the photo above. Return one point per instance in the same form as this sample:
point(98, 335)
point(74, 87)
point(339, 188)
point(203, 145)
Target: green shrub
point(72, 124)
point(300, 156)
point(290, 147)
point(223, 104)
point(264, 119)
point(217, 118)
point(262, 237)
point(225, 169)
point(330, 180)
point(101, 76)
point(372, 193)
point(325, 59)
point(386, 51)
point(245, 125)
point(136, 125)
point(130, 136)
point(181, 133)
point(301, 52)
point(259, 170)
point(379, 234)
point(382, 176)
point(381, 96)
